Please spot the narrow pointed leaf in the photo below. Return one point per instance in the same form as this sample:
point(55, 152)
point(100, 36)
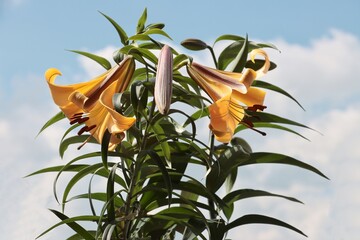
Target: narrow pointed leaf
point(73, 140)
point(229, 37)
point(238, 64)
point(60, 115)
point(141, 22)
point(120, 31)
point(226, 163)
point(274, 88)
point(266, 157)
point(71, 222)
point(260, 219)
point(270, 125)
point(104, 148)
point(263, 117)
point(100, 60)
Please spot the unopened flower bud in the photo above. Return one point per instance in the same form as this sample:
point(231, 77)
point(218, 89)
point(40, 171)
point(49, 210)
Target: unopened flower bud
point(163, 82)
point(194, 44)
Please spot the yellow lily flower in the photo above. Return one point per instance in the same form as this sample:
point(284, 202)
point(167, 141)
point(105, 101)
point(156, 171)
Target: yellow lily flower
point(231, 93)
point(91, 102)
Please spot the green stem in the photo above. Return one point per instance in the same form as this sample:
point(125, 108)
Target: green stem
point(211, 202)
point(135, 174)
point(213, 56)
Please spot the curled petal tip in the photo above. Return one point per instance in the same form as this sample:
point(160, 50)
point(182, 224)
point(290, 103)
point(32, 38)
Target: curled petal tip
point(51, 72)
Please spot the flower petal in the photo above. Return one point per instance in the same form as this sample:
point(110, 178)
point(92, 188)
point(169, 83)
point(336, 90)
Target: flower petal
point(224, 117)
point(265, 68)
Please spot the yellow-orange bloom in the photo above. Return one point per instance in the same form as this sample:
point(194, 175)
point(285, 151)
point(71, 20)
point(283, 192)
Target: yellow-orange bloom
point(91, 102)
point(231, 93)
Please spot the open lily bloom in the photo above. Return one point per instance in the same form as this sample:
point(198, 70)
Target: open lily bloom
point(101, 116)
point(91, 102)
point(231, 93)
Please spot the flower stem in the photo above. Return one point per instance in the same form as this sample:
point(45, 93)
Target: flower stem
point(213, 56)
point(211, 202)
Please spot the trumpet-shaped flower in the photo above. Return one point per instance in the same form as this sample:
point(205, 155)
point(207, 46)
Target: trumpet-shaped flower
point(91, 102)
point(163, 82)
point(231, 93)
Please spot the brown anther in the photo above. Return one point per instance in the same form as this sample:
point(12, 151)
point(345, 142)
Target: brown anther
point(256, 107)
point(86, 129)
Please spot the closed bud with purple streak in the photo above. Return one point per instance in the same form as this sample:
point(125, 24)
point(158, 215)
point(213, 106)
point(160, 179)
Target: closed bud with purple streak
point(163, 82)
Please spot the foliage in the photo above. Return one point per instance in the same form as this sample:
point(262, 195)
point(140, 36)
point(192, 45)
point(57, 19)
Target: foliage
point(151, 190)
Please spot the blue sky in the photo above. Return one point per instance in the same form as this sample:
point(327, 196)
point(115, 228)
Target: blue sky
point(318, 64)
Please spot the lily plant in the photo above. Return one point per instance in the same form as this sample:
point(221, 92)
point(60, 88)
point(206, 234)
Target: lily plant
point(144, 114)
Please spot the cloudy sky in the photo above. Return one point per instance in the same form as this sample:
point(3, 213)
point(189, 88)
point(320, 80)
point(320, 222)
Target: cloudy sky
point(318, 64)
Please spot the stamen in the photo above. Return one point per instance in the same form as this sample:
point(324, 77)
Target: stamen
point(256, 107)
point(87, 140)
point(250, 125)
point(86, 129)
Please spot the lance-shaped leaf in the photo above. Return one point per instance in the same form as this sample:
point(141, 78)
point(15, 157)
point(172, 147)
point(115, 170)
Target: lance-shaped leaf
point(120, 31)
point(59, 116)
point(141, 22)
point(100, 60)
point(260, 219)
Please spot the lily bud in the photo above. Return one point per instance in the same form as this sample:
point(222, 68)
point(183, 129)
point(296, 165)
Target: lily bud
point(194, 44)
point(163, 82)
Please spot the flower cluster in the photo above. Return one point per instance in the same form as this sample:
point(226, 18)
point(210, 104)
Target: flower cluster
point(91, 102)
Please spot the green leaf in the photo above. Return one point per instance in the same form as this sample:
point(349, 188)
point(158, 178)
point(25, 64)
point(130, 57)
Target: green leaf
point(238, 64)
point(79, 237)
point(180, 61)
point(72, 140)
point(110, 193)
point(141, 22)
point(266, 157)
point(144, 53)
point(220, 170)
point(100, 196)
point(263, 117)
point(164, 172)
point(229, 37)
point(71, 168)
point(270, 125)
point(155, 25)
point(229, 54)
point(161, 137)
point(71, 222)
point(100, 60)
point(240, 194)
point(260, 219)
point(120, 31)
point(274, 88)
point(104, 148)
point(259, 63)
point(97, 169)
point(60, 115)
point(158, 32)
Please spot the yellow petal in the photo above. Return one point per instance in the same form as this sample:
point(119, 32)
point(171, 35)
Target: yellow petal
point(61, 93)
point(252, 97)
point(209, 82)
point(224, 118)
point(265, 68)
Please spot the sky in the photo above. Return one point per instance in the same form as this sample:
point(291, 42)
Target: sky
point(318, 64)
